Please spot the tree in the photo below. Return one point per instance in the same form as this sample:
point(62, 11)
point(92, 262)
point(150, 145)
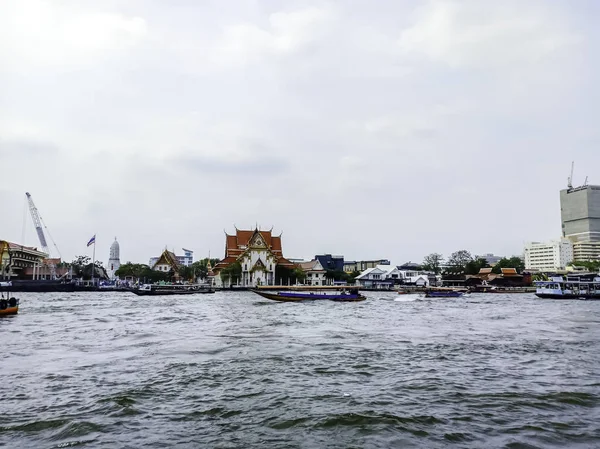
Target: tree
point(232, 273)
point(299, 274)
point(186, 273)
point(458, 260)
point(78, 265)
point(473, 266)
point(433, 262)
point(513, 262)
point(590, 265)
point(200, 267)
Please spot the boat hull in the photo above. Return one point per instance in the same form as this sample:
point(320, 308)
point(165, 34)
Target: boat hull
point(9, 311)
point(567, 296)
point(169, 292)
point(444, 294)
point(299, 297)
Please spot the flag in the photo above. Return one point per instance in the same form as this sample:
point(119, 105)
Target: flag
point(92, 240)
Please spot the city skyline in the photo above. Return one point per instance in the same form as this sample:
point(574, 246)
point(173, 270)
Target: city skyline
point(388, 132)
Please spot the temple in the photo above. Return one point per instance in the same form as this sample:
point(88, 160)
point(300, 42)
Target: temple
point(166, 262)
point(258, 253)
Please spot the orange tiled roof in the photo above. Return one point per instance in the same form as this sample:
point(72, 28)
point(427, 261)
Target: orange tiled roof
point(18, 247)
point(235, 245)
point(509, 271)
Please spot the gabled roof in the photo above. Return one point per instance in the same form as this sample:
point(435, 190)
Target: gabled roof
point(509, 272)
point(485, 271)
point(237, 244)
point(16, 247)
point(313, 265)
point(168, 258)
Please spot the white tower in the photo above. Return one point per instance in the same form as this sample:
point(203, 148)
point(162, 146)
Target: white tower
point(113, 260)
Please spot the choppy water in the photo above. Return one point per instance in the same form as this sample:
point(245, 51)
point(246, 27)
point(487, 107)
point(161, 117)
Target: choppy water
point(233, 370)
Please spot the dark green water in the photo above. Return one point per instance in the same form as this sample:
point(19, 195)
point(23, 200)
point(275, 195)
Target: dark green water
point(233, 370)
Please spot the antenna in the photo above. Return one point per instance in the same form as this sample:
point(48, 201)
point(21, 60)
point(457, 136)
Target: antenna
point(570, 182)
point(585, 182)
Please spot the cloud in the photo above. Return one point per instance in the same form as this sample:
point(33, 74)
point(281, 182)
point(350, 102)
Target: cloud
point(472, 33)
point(387, 117)
point(37, 34)
point(253, 166)
point(287, 32)
point(27, 149)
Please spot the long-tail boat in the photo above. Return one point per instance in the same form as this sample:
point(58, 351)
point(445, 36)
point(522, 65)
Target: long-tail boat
point(442, 292)
point(9, 305)
point(172, 289)
point(351, 295)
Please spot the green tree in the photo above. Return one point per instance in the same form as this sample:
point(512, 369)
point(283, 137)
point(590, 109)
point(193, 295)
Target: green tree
point(457, 262)
point(513, 262)
point(590, 265)
point(433, 262)
point(232, 273)
point(473, 266)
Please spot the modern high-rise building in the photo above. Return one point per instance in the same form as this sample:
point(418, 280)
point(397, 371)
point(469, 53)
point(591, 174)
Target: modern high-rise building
point(580, 213)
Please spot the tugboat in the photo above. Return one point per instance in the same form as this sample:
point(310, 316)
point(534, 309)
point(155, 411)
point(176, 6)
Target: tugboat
point(9, 305)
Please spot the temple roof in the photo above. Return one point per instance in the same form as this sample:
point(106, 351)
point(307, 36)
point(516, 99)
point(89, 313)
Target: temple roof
point(237, 244)
point(169, 258)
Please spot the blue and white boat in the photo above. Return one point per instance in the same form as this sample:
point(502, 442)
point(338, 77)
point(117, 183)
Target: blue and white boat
point(573, 287)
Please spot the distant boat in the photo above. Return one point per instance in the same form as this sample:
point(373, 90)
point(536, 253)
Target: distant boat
point(286, 296)
point(172, 289)
point(443, 293)
point(9, 305)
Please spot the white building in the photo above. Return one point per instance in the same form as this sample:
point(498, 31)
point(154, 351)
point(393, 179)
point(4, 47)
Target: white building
point(114, 261)
point(381, 276)
point(548, 256)
point(187, 259)
point(586, 251)
point(315, 273)
point(412, 277)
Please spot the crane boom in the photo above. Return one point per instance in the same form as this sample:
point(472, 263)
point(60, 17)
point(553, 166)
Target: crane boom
point(37, 222)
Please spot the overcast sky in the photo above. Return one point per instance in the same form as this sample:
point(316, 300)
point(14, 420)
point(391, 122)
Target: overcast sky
point(387, 129)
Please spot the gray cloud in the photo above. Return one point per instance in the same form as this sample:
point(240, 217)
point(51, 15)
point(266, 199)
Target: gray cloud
point(391, 132)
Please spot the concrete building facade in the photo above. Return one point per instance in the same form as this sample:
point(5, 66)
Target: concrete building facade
point(586, 251)
point(580, 213)
point(548, 256)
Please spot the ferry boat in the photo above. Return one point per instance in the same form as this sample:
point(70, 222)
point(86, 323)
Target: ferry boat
point(351, 295)
point(573, 287)
point(9, 305)
point(172, 289)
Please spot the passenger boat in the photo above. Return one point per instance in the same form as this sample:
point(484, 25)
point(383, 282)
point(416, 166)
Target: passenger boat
point(572, 287)
point(172, 289)
point(9, 305)
point(290, 296)
point(443, 293)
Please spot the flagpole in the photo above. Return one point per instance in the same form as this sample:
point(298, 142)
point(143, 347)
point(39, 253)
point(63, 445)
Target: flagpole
point(94, 260)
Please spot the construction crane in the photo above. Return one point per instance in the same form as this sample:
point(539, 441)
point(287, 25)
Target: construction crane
point(38, 222)
point(570, 182)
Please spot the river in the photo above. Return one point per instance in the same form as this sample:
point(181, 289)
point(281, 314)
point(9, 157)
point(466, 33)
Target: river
point(233, 370)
